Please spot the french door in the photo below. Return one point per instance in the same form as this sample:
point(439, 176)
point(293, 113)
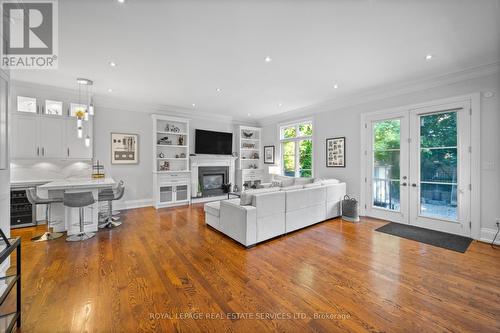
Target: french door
point(418, 167)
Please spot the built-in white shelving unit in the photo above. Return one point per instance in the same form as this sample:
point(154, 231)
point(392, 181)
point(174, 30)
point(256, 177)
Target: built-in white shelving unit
point(249, 164)
point(171, 175)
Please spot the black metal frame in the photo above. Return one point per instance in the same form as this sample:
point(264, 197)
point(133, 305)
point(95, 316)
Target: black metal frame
point(274, 154)
point(11, 245)
point(326, 157)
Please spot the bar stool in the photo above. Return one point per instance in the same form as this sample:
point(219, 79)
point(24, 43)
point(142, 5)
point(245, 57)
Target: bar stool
point(34, 199)
point(79, 200)
point(106, 195)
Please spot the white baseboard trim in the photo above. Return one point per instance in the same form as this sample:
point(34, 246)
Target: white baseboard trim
point(487, 235)
point(131, 204)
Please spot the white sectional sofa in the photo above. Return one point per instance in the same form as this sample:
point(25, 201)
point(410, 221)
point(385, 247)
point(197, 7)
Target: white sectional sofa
point(266, 213)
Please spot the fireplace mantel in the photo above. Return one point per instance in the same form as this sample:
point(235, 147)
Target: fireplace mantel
point(210, 160)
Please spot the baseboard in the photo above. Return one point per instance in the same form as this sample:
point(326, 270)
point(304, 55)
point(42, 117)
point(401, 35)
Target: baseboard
point(131, 204)
point(488, 234)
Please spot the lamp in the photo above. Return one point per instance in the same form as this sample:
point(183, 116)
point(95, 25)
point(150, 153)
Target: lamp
point(274, 170)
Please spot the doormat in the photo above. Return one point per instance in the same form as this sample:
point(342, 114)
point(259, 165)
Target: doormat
point(431, 237)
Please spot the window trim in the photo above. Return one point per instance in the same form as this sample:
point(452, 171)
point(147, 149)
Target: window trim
point(281, 141)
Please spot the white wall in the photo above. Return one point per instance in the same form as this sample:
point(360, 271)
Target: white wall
point(5, 187)
point(345, 121)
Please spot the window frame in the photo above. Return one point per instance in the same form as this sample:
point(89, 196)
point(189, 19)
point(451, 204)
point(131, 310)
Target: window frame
point(296, 140)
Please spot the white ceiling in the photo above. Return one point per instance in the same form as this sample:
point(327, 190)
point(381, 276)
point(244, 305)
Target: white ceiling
point(179, 52)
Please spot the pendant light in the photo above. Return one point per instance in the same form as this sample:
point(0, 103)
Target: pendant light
point(83, 113)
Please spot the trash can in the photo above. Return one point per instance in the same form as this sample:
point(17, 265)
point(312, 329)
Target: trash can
point(350, 209)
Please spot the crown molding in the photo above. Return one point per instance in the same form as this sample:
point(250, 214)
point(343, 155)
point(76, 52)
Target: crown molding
point(384, 92)
point(104, 102)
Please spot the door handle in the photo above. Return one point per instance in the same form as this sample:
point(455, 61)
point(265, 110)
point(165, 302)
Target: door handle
point(37, 151)
point(414, 185)
point(404, 184)
point(43, 151)
point(68, 152)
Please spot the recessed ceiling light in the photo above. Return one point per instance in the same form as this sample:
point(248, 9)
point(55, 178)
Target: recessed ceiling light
point(429, 57)
point(121, 1)
point(280, 105)
point(110, 90)
point(335, 86)
point(112, 64)
point(194, 105)
point(249, 114)
point(218, 89)
point(268, 59)
point(83, 81)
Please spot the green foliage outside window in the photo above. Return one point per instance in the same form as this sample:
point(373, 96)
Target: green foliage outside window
point(289, 150)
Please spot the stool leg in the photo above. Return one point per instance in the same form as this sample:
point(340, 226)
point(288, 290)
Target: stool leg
point(110, 222)
point(47, 235)
point(82, 235)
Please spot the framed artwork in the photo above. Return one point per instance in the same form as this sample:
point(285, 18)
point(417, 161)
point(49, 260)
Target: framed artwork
point(26, 104)
point(335, 152)
point(269, 154)
point(75, 107)
point(124, 148)
point(53, 107)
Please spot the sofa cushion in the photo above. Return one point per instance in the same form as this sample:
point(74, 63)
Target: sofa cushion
point(312, 185)
point(304, 198)
point(213, 208)
point(330, 181)
point(246, 196)
point(302, 181)
point(293, 187)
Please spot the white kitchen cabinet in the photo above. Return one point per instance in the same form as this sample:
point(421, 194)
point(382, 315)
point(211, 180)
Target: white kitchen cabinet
point(51, 132)
point(48, 137)
point(75, 146)
point(24, 137)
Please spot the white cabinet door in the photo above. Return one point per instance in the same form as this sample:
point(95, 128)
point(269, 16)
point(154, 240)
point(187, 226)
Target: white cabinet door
point(24, 136)
point(76, 147)
point(181, 192)
point(52, 137)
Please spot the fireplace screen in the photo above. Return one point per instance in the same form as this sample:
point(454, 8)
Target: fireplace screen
point(211, 182)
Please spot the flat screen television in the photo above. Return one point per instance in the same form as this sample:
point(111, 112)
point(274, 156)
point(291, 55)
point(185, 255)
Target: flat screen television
point(210, 142)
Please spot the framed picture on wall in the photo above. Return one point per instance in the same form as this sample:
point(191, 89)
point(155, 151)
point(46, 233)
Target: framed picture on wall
point(269, 154)
point(335, 152)
point(53, 107)
point(124, 148)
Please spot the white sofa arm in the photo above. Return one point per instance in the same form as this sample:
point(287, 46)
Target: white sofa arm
point(239, 222)
point(334, 195)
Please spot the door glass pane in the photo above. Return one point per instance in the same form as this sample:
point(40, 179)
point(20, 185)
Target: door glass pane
point(305, 158)
point(289, 159)
point(166, 194)
point(386, 164)
point(181, 192)
point(438, 165)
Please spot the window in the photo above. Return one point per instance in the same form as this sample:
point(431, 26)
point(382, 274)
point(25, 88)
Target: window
point(296, 149)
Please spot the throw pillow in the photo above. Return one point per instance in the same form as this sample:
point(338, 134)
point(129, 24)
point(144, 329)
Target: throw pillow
point(287, 182)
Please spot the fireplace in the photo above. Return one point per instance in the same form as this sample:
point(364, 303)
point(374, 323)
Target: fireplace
point(212, 179)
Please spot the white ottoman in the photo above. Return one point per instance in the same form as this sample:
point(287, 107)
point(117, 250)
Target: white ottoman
point(212, 214)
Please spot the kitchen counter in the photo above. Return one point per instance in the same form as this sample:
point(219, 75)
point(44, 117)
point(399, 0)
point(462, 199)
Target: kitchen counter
point(29, 183)
point(77, 183)
point(69, 216)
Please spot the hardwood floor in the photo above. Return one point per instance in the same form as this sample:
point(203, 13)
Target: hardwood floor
point(165, 271)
